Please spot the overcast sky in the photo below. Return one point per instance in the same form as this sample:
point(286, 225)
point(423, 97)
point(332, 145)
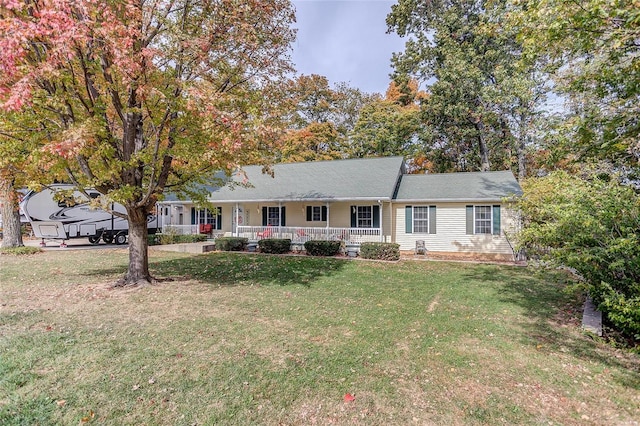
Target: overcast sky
point(346, 40)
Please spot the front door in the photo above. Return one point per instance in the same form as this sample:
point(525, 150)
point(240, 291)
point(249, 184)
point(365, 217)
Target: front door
point(239, 217)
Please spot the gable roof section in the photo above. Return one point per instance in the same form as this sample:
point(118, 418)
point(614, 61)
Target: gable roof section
point(470, 186)
point(336, 180)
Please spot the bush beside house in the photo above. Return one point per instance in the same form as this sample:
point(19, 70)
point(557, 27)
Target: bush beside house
point(274, 245)
point(176, 239)
point(322, 248)
point(231, 244)
point(380, 251)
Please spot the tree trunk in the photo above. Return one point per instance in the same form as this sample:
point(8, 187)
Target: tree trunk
point(11, 235)
point(138, 272)
point(522, 158)
point(522, 147)
point(485, 165)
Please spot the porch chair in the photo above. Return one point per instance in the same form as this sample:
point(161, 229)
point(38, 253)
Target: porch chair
point(206, 228)
point(265, 234)
point(421, 248)
point(301, 236)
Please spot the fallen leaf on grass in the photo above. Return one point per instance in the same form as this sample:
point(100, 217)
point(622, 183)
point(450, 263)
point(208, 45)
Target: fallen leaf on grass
point(88, 417)
point(61, 402)
point(348, 397)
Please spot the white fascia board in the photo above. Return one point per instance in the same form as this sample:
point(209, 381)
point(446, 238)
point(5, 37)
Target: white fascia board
point(449, 200)
point(295, 200)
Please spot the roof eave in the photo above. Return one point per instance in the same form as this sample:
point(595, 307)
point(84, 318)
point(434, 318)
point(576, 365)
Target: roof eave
point(450, 200)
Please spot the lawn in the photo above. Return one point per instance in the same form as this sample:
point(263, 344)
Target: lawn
point(256, 339)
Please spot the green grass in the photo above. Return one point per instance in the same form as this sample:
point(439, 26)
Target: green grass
point(19, 251)
point(256, 339)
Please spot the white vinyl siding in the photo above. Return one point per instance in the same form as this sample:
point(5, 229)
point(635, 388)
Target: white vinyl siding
point(452, 236)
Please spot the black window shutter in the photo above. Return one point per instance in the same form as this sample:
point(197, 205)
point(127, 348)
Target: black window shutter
point(376, 216)
point(219, 218)
point(432, 219)
point(309, 213)
point(193, 215)
point(324, 213)
point(283, 221)
point(408, 219)
point(469, 219)
point(264, 216)
point(354, 216)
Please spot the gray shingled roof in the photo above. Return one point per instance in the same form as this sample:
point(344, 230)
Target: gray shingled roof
point(473, 186)
point(354, 179)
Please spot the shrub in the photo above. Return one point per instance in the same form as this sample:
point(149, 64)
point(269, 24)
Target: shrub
point(322, 248)
point(19, 251)
point(380, 251)
point(588, 223)
point(179, 239)
point(274, 245)
point(231, 244)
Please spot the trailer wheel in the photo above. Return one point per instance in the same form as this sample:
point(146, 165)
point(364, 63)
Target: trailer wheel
point(94, 239)
point(121, 238)
point(107, 238)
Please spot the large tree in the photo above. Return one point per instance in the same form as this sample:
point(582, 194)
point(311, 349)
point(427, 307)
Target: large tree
point(321, 118)
point(389, 126)
point(135, 97)
point(594, 48)
point(482, 95)
point(13, 160)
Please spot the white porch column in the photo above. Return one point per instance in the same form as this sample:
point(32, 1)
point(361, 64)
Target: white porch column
point(380, 219)
point(327, 203)
point(279, 219)
point(237, 217)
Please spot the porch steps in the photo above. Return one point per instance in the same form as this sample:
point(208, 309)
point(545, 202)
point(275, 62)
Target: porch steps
point(195, 248)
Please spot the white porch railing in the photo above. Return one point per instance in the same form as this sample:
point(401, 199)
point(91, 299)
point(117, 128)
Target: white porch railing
point(180, 229)
point(299, 234)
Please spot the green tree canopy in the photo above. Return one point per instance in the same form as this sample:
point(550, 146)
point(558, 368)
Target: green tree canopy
point(590, 223)
point(388, 126)
point(482, 96)
point(134, 98)
point(594, 50)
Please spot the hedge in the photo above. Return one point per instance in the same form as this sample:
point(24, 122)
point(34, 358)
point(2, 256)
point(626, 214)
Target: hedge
point(231, 244)
point(177, 239)
point(322, 247)
point(380, 251)
point(274, 245)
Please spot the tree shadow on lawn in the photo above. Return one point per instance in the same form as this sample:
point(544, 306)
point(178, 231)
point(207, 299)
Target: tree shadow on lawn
point(235, 269)
point(554, 314)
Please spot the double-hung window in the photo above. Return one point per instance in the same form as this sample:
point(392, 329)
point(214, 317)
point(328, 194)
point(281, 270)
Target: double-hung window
point(207, 216)
point(420, 219)
point(365, 216)
point(483, 219)
point(273, 216)
point(316, 213)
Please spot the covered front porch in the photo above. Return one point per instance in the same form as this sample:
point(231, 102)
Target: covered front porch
point(300, 221)
point(302, 234)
